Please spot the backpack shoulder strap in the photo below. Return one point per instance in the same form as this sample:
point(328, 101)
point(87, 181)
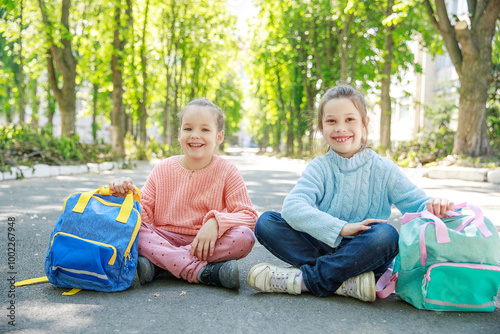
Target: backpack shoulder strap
point(41, 280)
point(32, 281)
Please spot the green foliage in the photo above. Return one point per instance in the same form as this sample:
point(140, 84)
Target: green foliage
point(178, 50)
point(153, 150)
point(21, 145)
point(433, 144)
point(190, 45)
point(301, 48)
point(493, 110)
point(493, 126)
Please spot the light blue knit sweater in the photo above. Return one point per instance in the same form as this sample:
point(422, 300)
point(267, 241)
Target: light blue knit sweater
point(334, 191)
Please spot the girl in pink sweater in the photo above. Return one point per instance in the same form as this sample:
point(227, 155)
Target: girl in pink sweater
point(197, 217)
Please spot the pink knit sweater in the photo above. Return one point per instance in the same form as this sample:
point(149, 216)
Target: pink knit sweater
point(181, 201)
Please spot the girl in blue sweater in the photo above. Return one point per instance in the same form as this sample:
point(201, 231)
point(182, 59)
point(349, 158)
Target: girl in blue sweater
point(333, 227)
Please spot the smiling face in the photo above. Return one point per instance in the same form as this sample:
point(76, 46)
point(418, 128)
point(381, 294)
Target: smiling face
point(343, 126)
point(199, 136)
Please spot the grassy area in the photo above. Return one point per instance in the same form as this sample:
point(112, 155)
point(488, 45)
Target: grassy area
point(24, 146)
point(21, 145)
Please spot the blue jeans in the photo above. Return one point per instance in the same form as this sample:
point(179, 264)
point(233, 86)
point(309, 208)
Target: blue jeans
point(325, 268)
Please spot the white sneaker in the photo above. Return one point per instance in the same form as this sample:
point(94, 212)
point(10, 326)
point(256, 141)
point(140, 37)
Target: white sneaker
point(266, 277)
point(361, 287)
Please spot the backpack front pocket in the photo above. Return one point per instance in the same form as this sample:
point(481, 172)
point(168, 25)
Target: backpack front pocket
point(81, 258)
point(461, 287)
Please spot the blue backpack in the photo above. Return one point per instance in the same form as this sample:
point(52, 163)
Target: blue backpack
point(449, 264)
point(94, 243)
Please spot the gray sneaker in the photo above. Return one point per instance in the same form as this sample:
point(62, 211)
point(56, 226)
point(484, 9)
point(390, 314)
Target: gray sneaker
point(266, 277)
point(222, 274)
point(361, 287)
point(147, 271)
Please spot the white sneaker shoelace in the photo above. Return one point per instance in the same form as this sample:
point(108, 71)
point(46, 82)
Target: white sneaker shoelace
point(350, 287)
point(279, 281)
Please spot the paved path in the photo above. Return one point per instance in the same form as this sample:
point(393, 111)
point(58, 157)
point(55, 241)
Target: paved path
point(172, 306)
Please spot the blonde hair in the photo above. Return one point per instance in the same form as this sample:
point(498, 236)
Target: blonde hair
point(220, 118)
point(345, 92)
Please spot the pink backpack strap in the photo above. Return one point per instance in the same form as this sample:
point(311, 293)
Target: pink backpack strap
point(386, 284)
point(442, 235)
point(479, 220)
point(407, 217)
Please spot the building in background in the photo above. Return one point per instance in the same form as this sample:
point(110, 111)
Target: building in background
point(437, 84)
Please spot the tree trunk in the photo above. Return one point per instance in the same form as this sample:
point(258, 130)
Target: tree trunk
point(143, 114)
point(385, 84)
point(21, 86)
point(195, 78)
point(95, 93)
point(471, 53)
point(51, 109)
point(264, 142)
point(117, 113)
point(67, 107)
point(35, 104)
point(277, 136)
point(344, 45)
point(287, 121)
point(311, 113)
point(290, 133)
point(310, 94)
point(66, 65)
point(475, 78)
point(167, 124)
point(471, 137)
point(9, 109)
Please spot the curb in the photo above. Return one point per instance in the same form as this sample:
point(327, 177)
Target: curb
point(42, 170)
point(464, 173)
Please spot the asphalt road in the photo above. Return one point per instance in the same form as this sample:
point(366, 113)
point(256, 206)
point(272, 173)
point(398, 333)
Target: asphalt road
point(175, 306)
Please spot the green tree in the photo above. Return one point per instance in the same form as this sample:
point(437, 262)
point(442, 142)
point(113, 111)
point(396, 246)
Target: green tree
point(120, 30)
point(308, 46)
point(60, 55)
point(94, 50)
point(469, 44)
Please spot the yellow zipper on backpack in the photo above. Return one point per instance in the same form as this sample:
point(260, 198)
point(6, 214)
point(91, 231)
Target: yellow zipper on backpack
point(132, 239)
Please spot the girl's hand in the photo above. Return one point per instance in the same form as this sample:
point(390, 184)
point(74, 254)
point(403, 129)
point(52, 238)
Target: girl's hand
point(122, 186)
point(439, 206)
point(203, 244)
point(356, 228)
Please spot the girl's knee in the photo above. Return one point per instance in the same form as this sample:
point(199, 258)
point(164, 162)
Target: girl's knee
point(244, 234)
point(387, 237)
point(238, 241)
point(267, 223)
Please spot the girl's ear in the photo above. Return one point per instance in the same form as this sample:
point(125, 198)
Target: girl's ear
point(220, 137)
point(367, 120)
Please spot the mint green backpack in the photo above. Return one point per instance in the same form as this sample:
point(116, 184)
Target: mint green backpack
point(446, 265)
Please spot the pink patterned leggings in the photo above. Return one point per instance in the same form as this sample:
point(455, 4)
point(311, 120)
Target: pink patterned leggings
point(170, 251)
